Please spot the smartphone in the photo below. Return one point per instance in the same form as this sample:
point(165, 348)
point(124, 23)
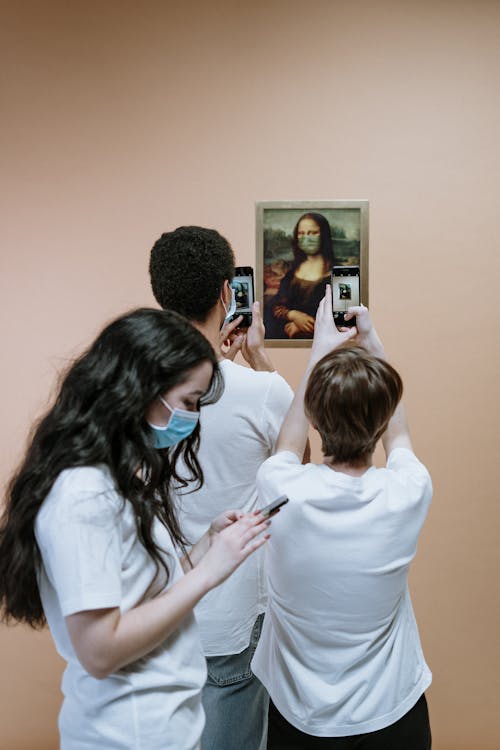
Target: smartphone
point(268, 510)
point(345, 293)
point(244, 292)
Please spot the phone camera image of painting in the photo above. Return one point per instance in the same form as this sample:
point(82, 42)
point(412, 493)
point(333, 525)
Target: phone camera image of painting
point(297, 246)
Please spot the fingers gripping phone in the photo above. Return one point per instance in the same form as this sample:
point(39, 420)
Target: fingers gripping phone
point(345, 293)
point(273, 507)
point(244, 292)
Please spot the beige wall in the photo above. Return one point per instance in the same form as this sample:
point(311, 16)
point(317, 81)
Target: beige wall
point(121, 120)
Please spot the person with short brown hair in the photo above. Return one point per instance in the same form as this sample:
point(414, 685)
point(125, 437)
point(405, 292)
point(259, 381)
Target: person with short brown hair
point(349, 400)
point(340, 652)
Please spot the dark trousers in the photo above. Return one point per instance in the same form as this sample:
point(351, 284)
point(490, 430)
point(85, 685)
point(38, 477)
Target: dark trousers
point(411, 732)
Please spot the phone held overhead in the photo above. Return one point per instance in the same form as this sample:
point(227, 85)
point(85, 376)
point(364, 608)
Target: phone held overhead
point(345, 293)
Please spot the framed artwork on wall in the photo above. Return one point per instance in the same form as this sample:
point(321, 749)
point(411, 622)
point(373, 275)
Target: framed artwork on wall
point(298, 243)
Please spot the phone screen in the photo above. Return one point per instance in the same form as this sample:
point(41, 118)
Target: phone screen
point(345, 292)
point(244, 294)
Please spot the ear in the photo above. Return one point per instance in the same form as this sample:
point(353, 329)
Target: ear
point(226, 292)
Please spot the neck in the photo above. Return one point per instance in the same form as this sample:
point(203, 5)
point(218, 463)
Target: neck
point(210, 328)
point(352, 469)
point(316, 259)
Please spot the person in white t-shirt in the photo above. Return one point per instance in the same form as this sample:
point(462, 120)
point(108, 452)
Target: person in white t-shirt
point(340, 652)
point(90, 543)
point(191, 271)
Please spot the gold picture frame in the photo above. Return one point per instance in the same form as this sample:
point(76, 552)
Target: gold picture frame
point(341, 227)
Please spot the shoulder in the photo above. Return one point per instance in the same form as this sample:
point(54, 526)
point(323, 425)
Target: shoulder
point(405, 470)
point(285, 474)
point(404, 461)
point(80, 492)
point(284, 465)
point(236, 375)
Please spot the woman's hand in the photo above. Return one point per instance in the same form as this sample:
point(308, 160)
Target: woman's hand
point(231, 546)
point(105, 640)
point(199, 550)
point(303, 321)
point(327, 336)
point(291, 330)
point(225, 519)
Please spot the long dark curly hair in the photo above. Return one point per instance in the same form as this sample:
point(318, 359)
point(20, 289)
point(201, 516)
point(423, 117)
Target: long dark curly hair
point(99, 418)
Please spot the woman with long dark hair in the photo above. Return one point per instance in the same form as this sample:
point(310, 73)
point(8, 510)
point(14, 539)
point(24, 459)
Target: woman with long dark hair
point(90, 544)
point(303, 287)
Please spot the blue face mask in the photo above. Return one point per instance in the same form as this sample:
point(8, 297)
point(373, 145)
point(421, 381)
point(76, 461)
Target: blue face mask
point(180, 425)
point(232, 307)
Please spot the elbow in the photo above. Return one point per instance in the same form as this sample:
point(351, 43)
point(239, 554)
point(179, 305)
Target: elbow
point(98, 664)
point(99, 669)
point(101, 673)
point(92, 634)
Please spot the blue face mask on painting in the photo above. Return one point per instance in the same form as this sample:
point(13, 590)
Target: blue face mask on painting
point(180, 426)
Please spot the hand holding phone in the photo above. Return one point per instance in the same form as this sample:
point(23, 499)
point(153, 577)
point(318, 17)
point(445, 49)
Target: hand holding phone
point(273, 507)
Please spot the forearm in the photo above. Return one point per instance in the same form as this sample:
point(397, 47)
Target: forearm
point(259, 360)
point(197, 551)
point(253, 345)
point(372, 343)
point(397, 434)
point(107, 641)
point(295, 427)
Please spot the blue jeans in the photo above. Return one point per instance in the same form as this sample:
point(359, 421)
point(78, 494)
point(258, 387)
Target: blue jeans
point(235, 702)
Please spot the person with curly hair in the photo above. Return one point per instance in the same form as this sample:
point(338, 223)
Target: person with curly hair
point(90, 542)
point(191, 271)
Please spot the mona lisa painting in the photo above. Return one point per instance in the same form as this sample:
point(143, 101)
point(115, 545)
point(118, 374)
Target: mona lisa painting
point(298, 243)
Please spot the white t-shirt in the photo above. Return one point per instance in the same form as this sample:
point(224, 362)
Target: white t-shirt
point(91, 559)
point(238, 433)
point(340, 653)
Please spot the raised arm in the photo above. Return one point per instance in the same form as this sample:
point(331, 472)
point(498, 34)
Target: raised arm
point(253, 349)
point(397, 434)
point(293, 433)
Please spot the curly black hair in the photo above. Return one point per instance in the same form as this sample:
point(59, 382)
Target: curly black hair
point(188, 268)
point(99, 418)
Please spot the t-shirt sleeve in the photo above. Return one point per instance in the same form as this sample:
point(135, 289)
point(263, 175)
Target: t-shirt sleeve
point(279, 396)
point(277, 475)
point(80, 544)
point(412, 476)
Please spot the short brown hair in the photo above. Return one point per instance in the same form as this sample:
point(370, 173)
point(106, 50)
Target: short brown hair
point(349, 399)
